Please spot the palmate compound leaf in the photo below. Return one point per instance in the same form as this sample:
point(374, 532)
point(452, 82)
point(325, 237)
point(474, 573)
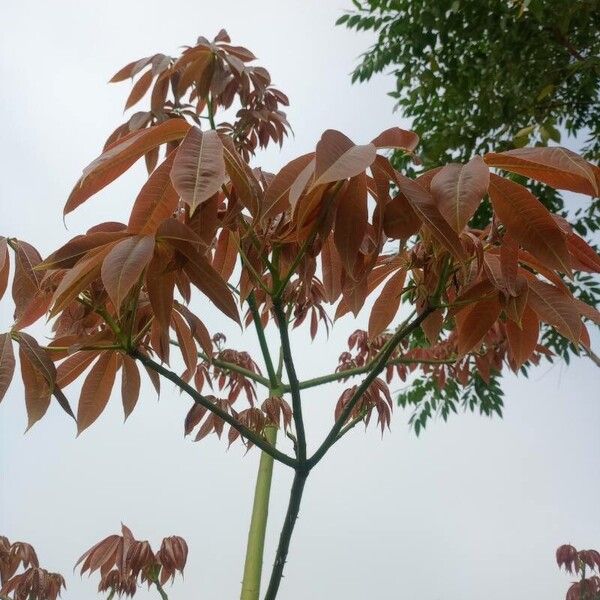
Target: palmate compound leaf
point(199, 167)
point(556, 166)
point(96, 390)
point(120, 155)
point(530, 223)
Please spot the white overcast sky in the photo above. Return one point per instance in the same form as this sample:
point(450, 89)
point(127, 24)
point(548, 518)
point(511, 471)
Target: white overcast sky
point(472, 509)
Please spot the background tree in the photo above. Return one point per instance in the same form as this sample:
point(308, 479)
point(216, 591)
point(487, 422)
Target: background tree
point(498, 74)
point(331, 228)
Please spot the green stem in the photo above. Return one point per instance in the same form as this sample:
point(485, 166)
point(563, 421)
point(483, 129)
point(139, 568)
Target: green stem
point(198, 398)
point(258, 523)
point(161, 591)
point(260, 332)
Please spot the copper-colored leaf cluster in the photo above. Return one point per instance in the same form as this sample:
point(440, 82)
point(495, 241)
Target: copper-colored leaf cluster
point(334, 230)
point(33, 582)
point(124, 562)
point(580, 562)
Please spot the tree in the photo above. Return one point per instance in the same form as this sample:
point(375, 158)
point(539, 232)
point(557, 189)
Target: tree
point(333, 227)
point(477, 76)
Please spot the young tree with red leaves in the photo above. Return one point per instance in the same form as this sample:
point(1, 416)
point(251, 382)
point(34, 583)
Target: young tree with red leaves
point(333, 227)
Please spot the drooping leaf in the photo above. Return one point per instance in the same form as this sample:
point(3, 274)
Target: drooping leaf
point(474, 322)
point(96, 389)
point(156, 201)
point(4, 265)
point(142, 85)
point(523, 339)
point(27, 279)
point(37, 390)
point(459, 189)
point(226, 253)
point(530, 223)
point(130, 385)
point(7, 363)
point(556, 166)
point(555, 308)
point(124, 265)
point(338, 158)
point(199, 168)
point(399, 219)
point(351, 221)
point(120, 155)
point(210, 283)
point(386, 304)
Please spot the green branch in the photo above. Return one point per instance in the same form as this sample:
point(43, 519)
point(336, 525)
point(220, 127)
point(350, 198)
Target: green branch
point(252, 436)
point(260, 332)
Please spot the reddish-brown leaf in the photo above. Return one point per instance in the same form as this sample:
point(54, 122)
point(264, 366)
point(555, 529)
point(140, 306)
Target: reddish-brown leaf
point(37, 390)
point(68, 255)
point(523, 339)
point(130, 385)
point(558, 167)
point(139, 89)
point(26, 282)
point(73, 366)
point(332, 270)
point(241, 176)
point(424, 206)
point(156, 201)
point(530, 223)
point(387, 303)
point(96, 389)
point(583, 256)
point(210, 283)
point(509, 262)
point(4, 266)
point(351, 221)
point(120, 155)
point(555, 307)
point(277, 195)
point(396, 138)
point(459, 189)
point(399, 219)
point(7, 363)
point(124, 265)
point(338, 158)
point(226, 252)
point(186, 344)
point(78, 278)
point(474, 322)
point(199, 168)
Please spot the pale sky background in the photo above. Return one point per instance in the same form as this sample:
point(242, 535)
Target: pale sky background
point(473, 509)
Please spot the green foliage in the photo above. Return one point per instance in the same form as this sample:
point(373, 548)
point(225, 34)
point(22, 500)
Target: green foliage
point(473, 73)
point(427, 400)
